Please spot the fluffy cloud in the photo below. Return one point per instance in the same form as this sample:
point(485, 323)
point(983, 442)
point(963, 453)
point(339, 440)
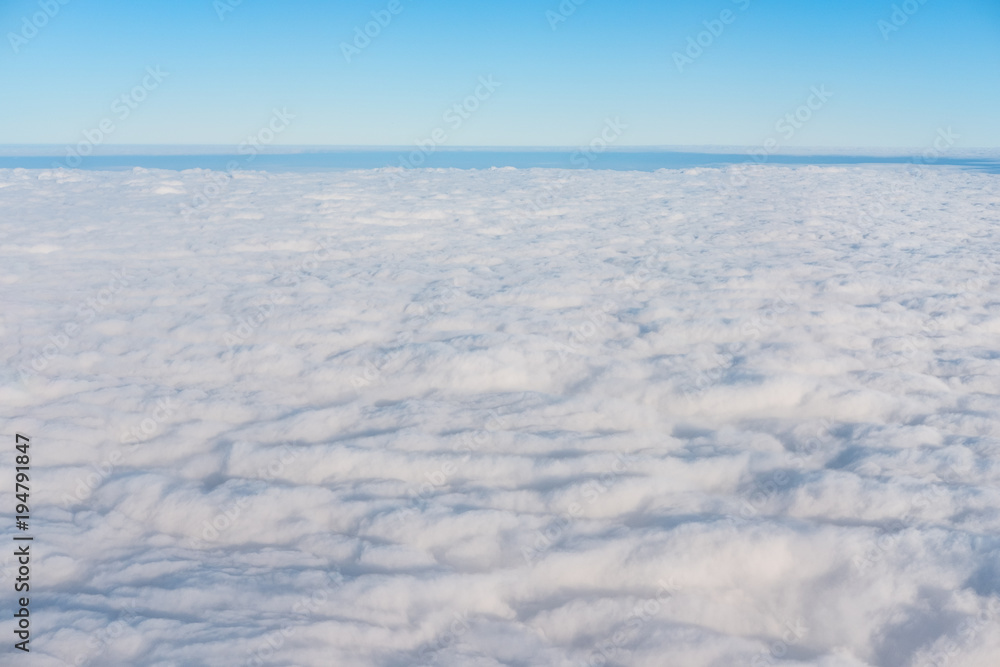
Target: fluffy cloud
point(508, 416)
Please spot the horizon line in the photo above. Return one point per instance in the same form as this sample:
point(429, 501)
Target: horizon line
point(108, 150)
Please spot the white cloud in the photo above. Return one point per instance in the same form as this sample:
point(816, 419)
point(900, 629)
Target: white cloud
point(782, 405)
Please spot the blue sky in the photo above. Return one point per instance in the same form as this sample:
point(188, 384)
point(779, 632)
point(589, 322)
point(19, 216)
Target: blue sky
point(558, 81)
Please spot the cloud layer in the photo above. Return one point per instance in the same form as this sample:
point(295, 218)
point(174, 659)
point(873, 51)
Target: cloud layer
point(508, 417)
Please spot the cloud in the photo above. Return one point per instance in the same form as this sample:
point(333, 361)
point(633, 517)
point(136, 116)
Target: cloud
point(778, 407)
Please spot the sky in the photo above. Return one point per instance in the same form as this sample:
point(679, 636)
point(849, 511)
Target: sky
point(780, 73)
